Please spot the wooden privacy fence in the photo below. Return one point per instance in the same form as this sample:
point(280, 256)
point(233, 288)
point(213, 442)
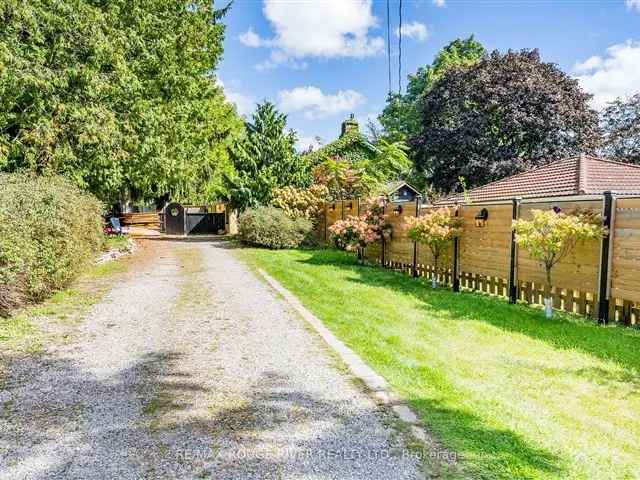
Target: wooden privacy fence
point(600, 278)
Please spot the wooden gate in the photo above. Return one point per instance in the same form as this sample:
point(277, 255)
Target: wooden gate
point(174, 219)
point(202, 222)
point(193, 220)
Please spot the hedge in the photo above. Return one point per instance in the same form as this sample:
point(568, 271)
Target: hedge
point(272, 228)
point(49, 231)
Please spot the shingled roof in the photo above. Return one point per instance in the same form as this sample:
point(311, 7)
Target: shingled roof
point(579, 175)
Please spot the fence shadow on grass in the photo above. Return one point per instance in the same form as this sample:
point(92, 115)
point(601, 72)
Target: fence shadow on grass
point(491, 448)
point(565, 331)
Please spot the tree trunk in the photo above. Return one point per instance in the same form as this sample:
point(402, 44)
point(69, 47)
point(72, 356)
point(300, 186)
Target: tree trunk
point(548, 301)
point(124, 201)
point(434, 279)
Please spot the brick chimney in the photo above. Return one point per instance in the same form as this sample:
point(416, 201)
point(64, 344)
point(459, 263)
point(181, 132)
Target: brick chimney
point(349, 125)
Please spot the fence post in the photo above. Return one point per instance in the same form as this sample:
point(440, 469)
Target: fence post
point(513, 269)
point(342, 209)
point(414, 270)
point(455, 280)
point(603, 294)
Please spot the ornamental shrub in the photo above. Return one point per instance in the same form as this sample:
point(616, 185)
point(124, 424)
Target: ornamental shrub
point(355, 233)
point(341, 178)
point(271, 227)
point(435, 229)
point(49, 230)
point(301, 202)
point(550, 236)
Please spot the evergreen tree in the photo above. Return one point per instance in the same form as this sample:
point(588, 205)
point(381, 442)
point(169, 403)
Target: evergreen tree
point(117, 95)
point(265, 159)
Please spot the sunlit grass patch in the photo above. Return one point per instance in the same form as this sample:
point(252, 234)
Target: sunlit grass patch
point(513, 394)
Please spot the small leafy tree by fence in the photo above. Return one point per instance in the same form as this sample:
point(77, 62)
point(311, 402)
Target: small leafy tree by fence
point(550, 236)
point(436, 229)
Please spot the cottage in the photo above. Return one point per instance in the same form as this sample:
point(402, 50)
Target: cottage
point(351, 145)
point(401, 191)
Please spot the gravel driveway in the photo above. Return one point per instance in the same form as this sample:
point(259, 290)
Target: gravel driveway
point(193, 368)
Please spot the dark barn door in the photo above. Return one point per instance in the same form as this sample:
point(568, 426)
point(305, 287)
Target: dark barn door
point(203, 222)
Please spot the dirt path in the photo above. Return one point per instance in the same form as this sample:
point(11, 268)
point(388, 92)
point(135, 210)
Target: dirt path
point(192, 368)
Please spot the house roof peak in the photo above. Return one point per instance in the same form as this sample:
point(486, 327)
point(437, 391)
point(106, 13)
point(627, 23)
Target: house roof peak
point(577, 175)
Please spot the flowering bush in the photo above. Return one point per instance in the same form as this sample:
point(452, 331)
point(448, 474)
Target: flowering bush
point(355, 233)
point(550, 236)
point(301, 202)
point(435, 229)
point(375, 216)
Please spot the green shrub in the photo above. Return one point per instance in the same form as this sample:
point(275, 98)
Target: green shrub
point(272, 228)
point(49, 230)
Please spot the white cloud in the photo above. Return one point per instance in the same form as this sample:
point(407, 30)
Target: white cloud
point(441, 3)
point(633, 4)
point(416, 30)
point(244, 104)
point(316, 104)
point(589, 64)
point(616, 74)
point(276, 59)
point(318, 29)
point(304, 142)
point(251, 39)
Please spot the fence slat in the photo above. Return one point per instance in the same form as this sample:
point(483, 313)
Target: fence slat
point(483, 261)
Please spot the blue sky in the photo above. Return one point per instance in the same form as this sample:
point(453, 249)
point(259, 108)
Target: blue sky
point(320, 60)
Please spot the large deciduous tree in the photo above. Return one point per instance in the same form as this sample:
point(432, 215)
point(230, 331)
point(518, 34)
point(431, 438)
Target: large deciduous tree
point(507, 113)
point(621, 125)
point(401, 116)
point(265, 159)
point(117, 95)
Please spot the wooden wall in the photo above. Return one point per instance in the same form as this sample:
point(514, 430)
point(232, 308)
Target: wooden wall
point(580, 269)
point(625, 275)
point(486, 250)
point(399, 251)
point(147, 219)
point(484, 257)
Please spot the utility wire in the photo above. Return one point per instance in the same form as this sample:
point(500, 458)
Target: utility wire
point(389, 44)
point(400, 49)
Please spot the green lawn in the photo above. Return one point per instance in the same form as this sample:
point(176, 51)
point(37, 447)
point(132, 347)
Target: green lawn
point(514, 394)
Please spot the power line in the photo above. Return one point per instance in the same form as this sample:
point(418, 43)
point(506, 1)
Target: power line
point(389, 44)
point(400, 48)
